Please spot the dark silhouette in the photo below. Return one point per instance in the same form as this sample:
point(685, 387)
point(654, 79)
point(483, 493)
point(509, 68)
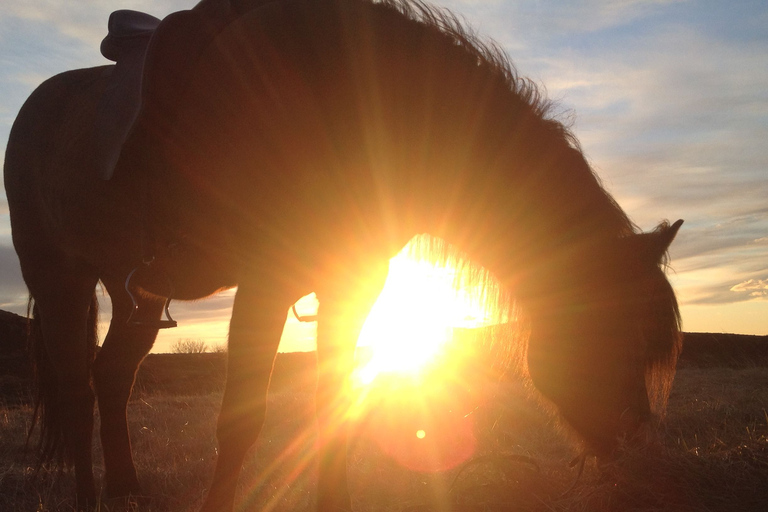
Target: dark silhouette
point(295, 146)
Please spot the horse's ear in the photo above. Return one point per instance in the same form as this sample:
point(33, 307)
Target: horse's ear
point(653, 246)
point(650, 248)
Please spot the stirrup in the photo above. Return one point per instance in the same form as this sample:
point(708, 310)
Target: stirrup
point(168, 323)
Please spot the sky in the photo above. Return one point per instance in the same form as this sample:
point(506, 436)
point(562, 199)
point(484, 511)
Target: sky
point(669, 99)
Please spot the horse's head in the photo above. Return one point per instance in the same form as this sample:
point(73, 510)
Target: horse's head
point(605, 339)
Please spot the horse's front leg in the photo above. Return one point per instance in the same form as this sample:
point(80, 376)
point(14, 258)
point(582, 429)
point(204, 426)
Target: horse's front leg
point(254, 334)
point(340, 320)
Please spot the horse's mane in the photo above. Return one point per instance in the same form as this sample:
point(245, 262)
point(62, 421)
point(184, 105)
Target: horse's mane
point(662, 327)
point(487, 53)
point(492, 58)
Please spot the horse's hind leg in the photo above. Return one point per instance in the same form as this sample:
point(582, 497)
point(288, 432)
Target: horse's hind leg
point(114, 372)
point(63, 301)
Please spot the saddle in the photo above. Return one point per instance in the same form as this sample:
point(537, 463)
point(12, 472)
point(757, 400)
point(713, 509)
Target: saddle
point(128, 30)
point(126, 44)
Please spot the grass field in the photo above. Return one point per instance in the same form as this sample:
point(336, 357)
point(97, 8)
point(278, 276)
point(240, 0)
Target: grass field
point(507, 454)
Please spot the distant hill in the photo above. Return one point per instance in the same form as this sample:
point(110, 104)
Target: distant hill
point(15, 371)
point(13, 331)
point(701, 349)
point(204, 373)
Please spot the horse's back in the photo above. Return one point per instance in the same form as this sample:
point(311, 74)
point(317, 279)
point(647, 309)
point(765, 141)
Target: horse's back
point(332, 111)
point(49, 154)
point(53, 120)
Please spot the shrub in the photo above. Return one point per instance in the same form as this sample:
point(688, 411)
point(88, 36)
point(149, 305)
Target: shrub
point(189, 346)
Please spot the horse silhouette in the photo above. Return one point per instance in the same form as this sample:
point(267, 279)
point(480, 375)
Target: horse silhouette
point(295, 146)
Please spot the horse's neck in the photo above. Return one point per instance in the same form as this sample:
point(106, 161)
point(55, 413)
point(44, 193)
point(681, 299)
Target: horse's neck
point(528, 218)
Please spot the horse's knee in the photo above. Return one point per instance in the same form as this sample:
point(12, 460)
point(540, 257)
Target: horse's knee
point(112, 382)
point(244, 405)
point(239, 427)
point(114, 370)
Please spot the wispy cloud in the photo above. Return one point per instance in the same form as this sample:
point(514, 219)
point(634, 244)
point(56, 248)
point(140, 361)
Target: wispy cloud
point(676, 119)
point(670, 104)
point(85, 22)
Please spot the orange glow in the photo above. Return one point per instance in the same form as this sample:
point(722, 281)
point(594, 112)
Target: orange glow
point(415, 386)
point(412, 393)
point(412, 320)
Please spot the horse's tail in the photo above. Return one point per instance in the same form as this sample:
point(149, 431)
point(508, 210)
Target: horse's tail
point(48, 412)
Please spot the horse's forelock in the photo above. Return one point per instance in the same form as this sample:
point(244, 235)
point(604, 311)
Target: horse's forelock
point(663, 338)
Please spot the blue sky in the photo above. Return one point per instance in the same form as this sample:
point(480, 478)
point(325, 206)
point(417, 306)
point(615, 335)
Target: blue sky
point(668, 98)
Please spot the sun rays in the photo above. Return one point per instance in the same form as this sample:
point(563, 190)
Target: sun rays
point(413, 318)
point(413, 390)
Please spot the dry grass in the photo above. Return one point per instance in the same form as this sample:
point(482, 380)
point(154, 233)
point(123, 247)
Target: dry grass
point(712, 455)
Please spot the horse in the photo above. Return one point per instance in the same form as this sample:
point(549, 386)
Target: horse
point(292, 146)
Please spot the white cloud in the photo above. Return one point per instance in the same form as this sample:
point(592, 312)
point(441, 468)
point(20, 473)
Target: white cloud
point(755, 288)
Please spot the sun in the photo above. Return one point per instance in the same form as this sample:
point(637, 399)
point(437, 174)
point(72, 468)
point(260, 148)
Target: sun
point(413, 318)
point(411, 387)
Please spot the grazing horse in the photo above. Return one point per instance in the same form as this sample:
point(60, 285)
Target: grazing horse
point(295, 146)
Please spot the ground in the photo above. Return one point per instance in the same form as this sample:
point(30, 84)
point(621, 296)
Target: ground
point(506, 452)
